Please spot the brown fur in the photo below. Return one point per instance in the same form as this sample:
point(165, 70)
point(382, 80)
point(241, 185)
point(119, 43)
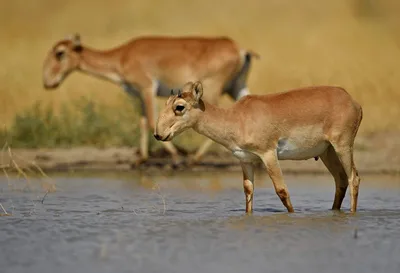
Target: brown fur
point(318, 121)
point(142, 63)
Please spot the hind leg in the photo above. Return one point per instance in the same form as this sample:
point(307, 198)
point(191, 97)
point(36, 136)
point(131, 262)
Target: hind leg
point(345, 155)
point(333, 164)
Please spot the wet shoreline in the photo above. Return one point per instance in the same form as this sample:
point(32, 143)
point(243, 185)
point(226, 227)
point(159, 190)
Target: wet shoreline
point(121, 159)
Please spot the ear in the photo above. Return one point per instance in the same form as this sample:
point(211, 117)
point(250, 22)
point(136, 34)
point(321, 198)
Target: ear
point(197, 91)
point(76, 41)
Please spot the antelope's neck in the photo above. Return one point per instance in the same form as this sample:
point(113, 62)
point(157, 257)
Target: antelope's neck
point(218, 124)
point(102, 64)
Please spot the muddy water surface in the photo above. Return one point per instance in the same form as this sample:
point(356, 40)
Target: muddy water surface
point(196, 223)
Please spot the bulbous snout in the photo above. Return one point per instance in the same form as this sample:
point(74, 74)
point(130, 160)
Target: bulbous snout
point(157, 136)
point(161, 138)
point(50, 86)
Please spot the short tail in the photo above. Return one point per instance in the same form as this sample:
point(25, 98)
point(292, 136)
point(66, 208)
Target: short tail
point(252, 54)
point(360, 117)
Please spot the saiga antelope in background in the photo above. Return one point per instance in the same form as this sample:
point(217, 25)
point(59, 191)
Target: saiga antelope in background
point(320, 121)
point(147, 67)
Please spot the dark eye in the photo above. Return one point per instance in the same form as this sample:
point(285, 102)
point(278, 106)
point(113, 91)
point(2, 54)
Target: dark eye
point(179, 108)
point(59, 55)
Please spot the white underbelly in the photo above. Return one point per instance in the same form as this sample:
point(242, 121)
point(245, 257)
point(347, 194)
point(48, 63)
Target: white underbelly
point(289, 150)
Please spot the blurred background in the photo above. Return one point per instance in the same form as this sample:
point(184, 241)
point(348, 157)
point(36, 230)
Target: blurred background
point(351, 43)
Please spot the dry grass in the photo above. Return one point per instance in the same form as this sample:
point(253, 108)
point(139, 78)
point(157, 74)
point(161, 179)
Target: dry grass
point(47, 184)
point(339, 42)
point(30, 167)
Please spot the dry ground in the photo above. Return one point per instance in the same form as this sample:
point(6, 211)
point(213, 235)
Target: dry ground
point(377, 153)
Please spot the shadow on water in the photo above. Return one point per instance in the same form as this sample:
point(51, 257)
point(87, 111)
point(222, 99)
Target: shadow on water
point(259, 210)
point(184, 223)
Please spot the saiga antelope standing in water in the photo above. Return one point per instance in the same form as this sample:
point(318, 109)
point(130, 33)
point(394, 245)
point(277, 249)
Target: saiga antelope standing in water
point(147, 67)
point(320, 121)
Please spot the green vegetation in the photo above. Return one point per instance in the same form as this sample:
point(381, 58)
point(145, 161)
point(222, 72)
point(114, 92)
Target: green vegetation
point(83, 123)
point(77, 124)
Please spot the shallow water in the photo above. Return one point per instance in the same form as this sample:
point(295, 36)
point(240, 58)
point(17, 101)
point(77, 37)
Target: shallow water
point(196, 223)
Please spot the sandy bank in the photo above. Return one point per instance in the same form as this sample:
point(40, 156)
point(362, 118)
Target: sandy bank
point(374, 154)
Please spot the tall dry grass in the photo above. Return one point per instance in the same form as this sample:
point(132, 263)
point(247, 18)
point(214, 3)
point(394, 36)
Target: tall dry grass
point(351, 43)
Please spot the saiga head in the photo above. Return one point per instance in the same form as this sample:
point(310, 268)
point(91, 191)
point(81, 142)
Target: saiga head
point(181, 112)
point(62, 59)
